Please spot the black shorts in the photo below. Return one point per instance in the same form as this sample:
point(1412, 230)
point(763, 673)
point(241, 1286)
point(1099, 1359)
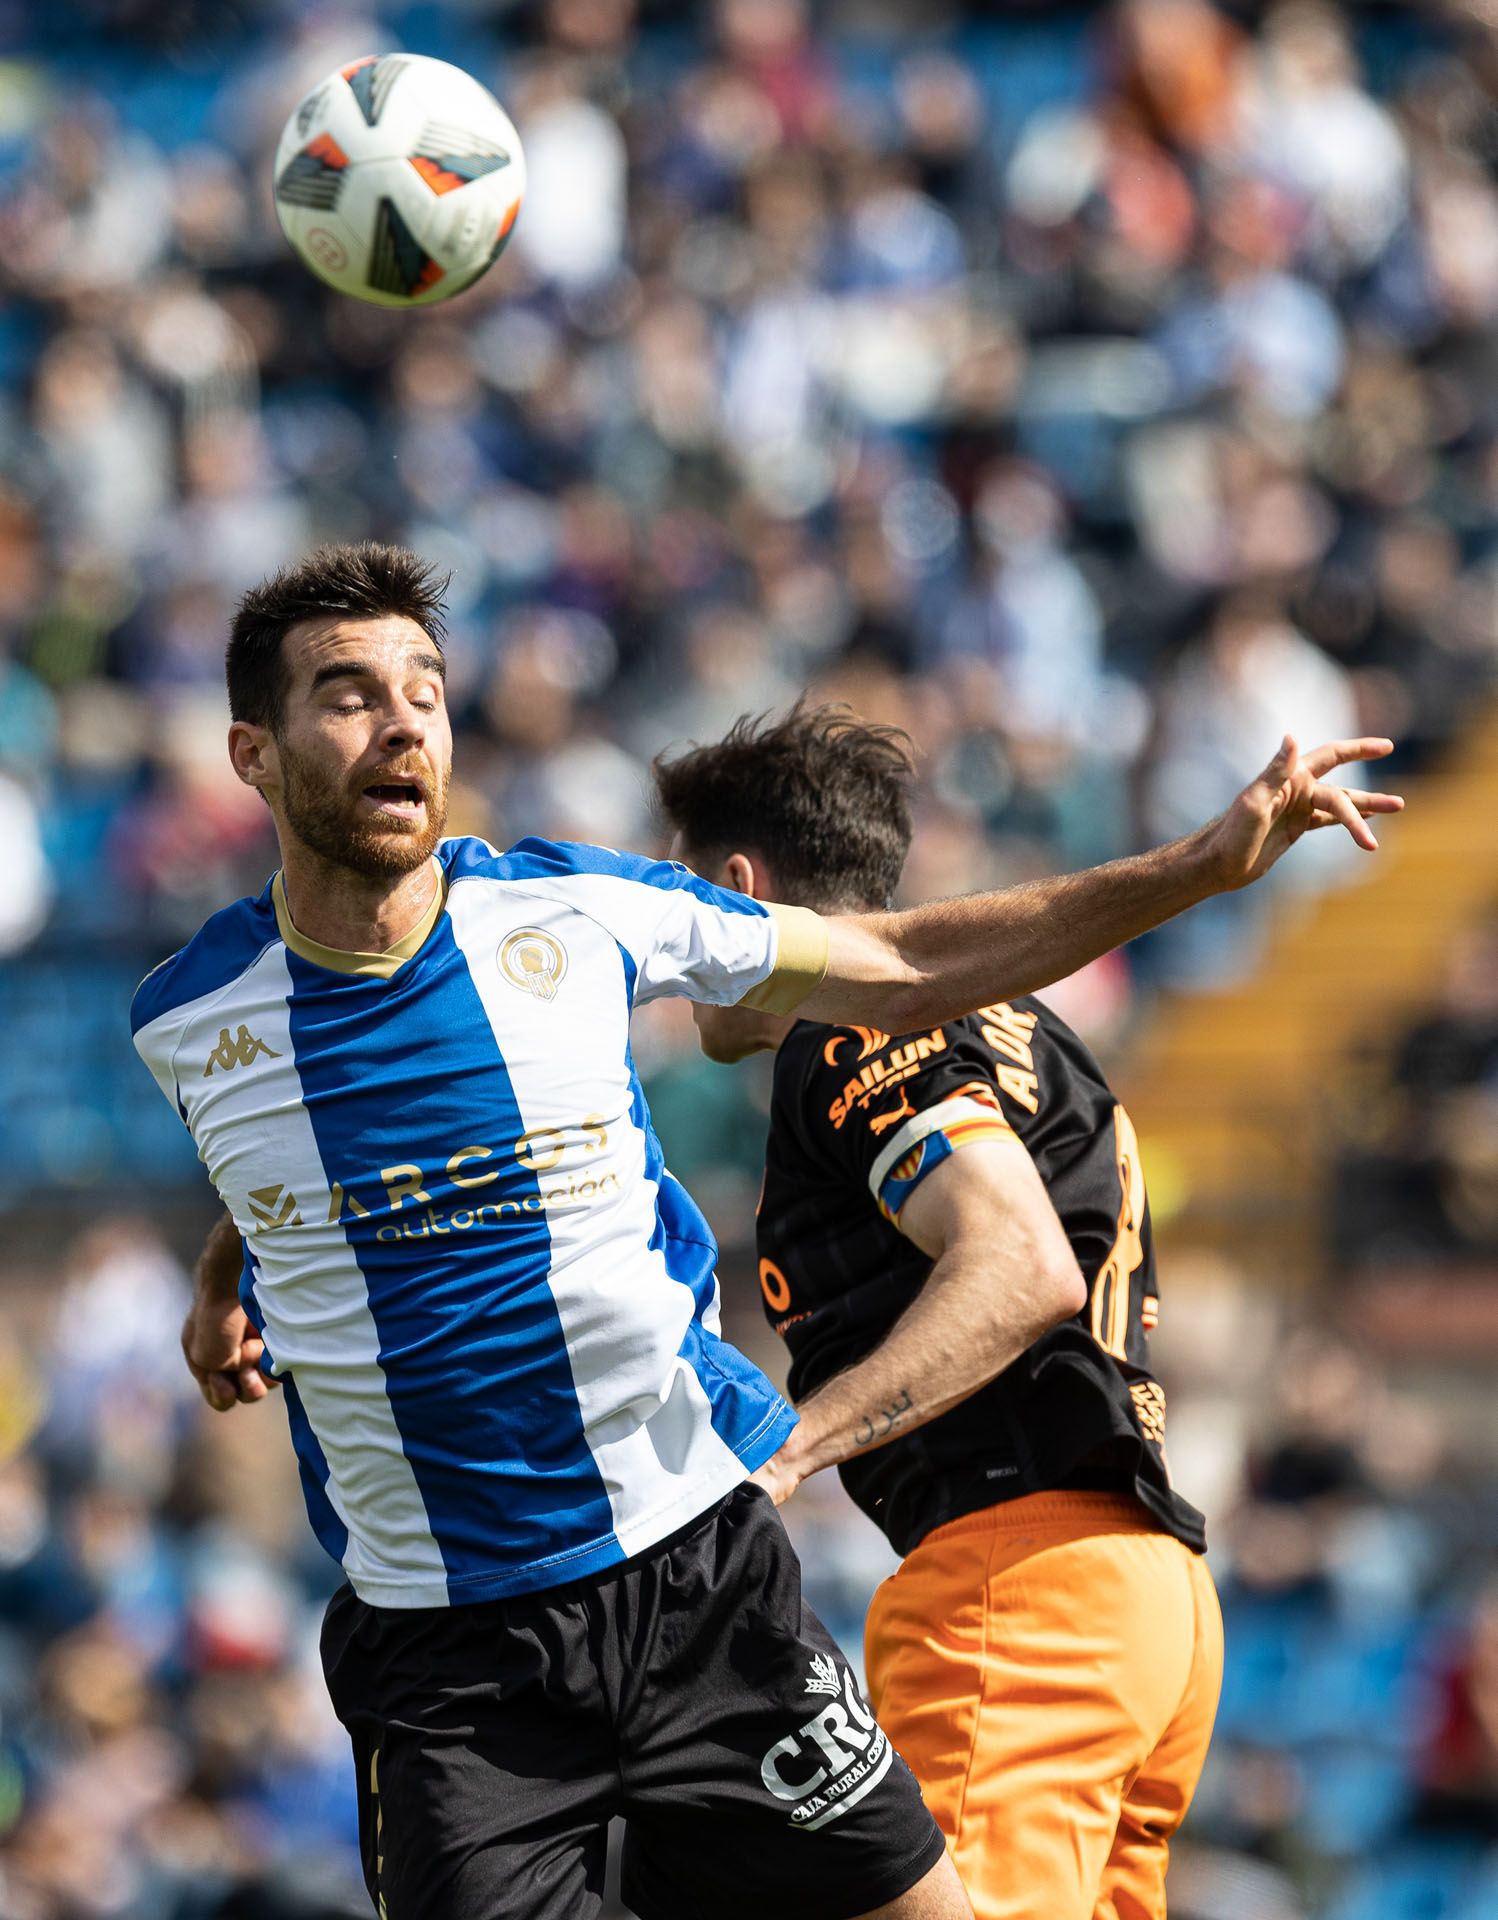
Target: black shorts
point(690, 1690)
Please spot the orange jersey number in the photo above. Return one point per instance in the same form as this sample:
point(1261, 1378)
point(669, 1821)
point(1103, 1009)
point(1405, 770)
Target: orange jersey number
point(1111, 1289)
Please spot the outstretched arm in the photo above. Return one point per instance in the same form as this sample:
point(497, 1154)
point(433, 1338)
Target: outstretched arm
point(219, 1341)
point(913, 969)
point(1004, 1275)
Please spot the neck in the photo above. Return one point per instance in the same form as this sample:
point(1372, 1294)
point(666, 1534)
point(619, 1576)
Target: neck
point(350, 911)
point(769, 1030)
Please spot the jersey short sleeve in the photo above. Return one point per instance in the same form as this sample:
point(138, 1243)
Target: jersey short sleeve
point(890, 1111)
point(681, 934)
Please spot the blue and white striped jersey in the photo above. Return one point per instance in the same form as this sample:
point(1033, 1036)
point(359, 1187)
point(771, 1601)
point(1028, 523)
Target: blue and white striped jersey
point(494, 1311)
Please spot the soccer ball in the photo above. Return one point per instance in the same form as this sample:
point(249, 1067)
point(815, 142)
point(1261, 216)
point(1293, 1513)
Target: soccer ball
point(398, 180)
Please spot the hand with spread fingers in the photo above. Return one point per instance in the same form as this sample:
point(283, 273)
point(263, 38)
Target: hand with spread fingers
point(1292, 796)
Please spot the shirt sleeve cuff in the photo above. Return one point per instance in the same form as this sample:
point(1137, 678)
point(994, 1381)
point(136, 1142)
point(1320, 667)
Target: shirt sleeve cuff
point(800, 962)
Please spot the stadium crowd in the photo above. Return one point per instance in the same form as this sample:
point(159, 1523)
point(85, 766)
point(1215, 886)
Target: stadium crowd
point(1092, 391)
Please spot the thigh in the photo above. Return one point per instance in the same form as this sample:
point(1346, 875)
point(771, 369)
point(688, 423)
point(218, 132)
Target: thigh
point(478, 1798)
point(756, 1777)
point(1156, 1800)
point(1025, 1677)
point(444, 1835)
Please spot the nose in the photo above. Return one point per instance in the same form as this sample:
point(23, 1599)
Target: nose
point(404, 725)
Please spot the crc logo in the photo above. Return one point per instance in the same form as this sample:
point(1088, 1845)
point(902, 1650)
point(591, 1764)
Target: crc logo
point(533, 961)
point(326, 249)
point(832, 1760)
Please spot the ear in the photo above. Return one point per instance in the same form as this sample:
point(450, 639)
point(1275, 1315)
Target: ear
point(739, 873)
point(252, 751)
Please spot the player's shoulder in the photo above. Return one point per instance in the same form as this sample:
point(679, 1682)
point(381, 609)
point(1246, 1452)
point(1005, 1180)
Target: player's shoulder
point(1027, 1017)
point(815, 1061)
point(579, 864)
point(226, 945)
point(1027, 1035)
point(466, 857)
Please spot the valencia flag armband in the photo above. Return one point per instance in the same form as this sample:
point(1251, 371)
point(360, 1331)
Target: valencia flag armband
point(925, 1141)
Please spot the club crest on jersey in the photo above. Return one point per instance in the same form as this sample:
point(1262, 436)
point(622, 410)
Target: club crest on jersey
point(535, 962)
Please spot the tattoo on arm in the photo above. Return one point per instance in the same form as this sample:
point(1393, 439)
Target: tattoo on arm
point(880, 1425)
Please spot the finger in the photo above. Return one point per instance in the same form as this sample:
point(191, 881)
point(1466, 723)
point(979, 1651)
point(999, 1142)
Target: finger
point(252, 1385)
point(1321, 818)
point(1280, 767)
point(218, 1390)
point(218, 1363)
point(1342, 753)
point(1337, 801)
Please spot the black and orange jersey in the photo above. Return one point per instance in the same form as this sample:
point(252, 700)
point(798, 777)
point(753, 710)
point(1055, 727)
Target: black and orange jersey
point(858, 1119)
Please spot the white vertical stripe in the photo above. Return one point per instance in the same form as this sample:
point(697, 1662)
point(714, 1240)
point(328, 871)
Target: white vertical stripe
point(646, 1416)
point(256, 1137)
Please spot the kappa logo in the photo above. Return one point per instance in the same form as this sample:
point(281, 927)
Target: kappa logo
point(535, 962)
point(242, 1051)
point(828, 1764)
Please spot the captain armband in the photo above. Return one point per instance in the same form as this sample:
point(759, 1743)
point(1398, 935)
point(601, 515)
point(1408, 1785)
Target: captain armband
point(924, 1142)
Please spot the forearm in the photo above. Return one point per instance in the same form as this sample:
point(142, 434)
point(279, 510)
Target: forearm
point(966, 1326)
point(216, 1274)
point(918, 967)
point(904, 971)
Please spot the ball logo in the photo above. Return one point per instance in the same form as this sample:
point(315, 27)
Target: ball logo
point(534, 962)
point(326, 249)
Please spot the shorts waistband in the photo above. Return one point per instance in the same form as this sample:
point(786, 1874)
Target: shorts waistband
point(1117, 1512)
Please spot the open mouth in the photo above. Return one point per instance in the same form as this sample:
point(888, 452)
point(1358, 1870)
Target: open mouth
point(399, 799)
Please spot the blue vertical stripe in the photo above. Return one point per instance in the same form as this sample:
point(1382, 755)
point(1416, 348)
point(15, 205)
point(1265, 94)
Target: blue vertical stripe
point(473, 1351)
point(311, 1461)
point(312, 1465)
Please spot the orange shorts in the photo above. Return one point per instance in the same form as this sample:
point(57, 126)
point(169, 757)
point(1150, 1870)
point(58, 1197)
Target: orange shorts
point(1050, 1669)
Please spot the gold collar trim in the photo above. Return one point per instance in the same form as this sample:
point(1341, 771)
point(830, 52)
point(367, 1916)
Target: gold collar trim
point(378, 966)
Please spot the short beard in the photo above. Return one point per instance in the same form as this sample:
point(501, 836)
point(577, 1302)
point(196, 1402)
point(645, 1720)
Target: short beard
point(324, 821)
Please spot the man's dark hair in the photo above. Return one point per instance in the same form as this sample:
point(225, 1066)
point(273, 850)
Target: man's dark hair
point(823, 796)
point(365, 580)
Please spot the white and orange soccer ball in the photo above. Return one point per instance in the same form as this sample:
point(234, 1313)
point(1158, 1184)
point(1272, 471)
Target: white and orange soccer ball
point(398, 180)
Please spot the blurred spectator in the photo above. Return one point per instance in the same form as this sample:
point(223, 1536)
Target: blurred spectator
point(1421, 1178)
